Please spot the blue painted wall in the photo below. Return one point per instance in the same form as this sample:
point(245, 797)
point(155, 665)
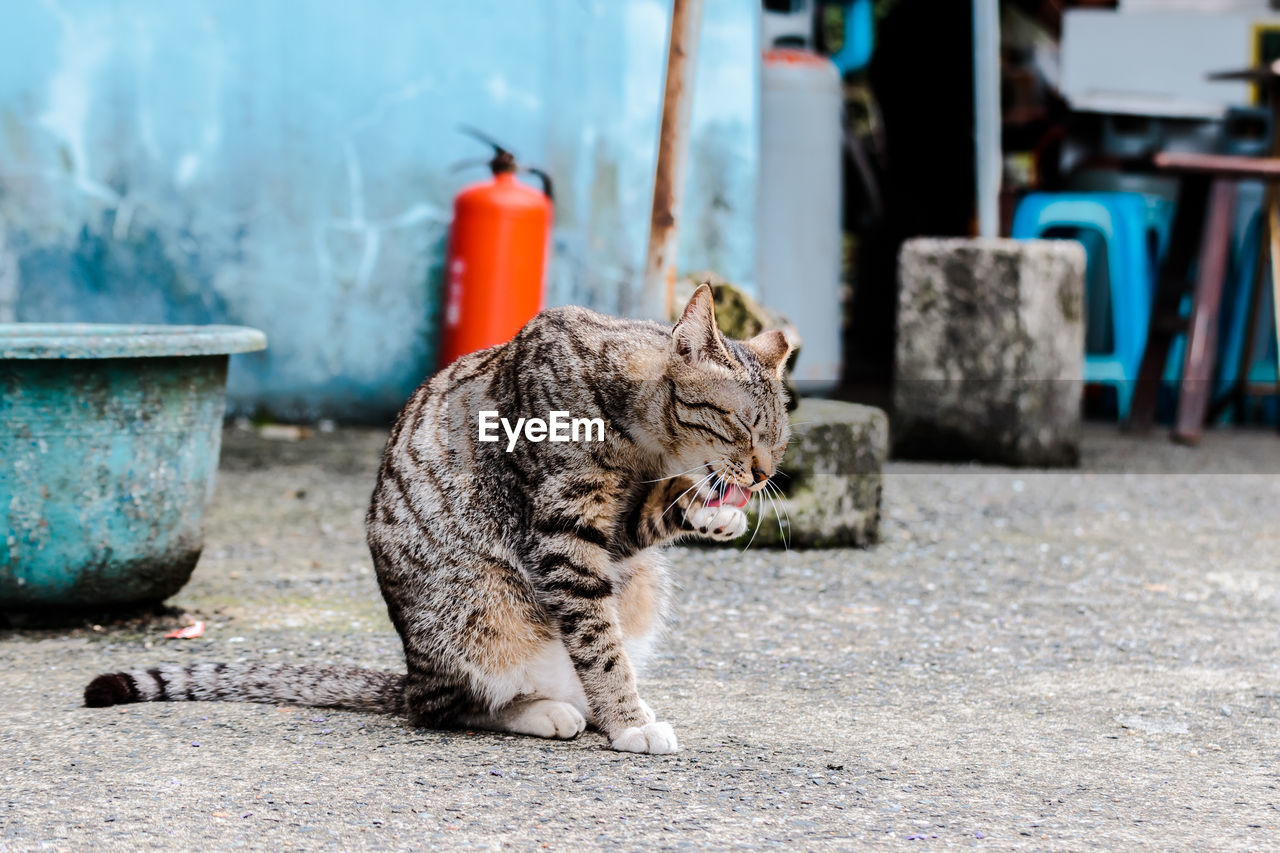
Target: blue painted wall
point(286, 165)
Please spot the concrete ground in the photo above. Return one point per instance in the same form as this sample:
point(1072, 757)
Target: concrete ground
point(1031, 660)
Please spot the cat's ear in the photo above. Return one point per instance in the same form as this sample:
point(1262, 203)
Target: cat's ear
point(696, 337)
point(772, 348)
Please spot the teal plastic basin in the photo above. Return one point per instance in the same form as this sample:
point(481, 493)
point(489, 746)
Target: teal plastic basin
point(109, 440)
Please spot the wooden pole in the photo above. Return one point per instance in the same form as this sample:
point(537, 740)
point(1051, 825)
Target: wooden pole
point(658, 291)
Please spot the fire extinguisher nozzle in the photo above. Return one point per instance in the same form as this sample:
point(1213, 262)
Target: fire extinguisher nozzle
point(547, 189)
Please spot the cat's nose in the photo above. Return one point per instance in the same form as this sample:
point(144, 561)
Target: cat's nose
point(759, 475)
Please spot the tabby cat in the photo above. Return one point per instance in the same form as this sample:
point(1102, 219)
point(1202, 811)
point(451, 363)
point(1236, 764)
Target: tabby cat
point(523, 577)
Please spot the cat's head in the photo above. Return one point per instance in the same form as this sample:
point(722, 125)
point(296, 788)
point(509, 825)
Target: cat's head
point(727, 412)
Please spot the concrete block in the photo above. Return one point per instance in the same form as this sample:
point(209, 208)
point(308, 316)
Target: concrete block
point(990, 351)
point(830, 481)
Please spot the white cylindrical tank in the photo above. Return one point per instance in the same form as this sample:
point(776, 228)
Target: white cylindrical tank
point(798, 206)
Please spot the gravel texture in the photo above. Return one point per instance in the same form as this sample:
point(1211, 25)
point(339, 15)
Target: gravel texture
point(1029, 660)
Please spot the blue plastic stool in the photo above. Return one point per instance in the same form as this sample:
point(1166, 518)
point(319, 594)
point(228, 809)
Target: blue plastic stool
point(1132, 231)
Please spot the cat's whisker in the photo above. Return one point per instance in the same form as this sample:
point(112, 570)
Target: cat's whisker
point(773, 488)
point(673, 476)
point(778, 518)
point(759, 518)
point(782, 502)
point(769, 487)
point(686, 491)
point(718, 484)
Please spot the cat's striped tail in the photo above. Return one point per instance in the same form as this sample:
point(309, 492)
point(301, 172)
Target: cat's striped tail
point(347, 688)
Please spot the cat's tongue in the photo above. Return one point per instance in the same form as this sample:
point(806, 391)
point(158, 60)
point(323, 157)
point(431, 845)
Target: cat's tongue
point(733, 496)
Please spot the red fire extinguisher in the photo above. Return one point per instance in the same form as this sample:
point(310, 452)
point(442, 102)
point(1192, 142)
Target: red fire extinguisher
point(497, 257)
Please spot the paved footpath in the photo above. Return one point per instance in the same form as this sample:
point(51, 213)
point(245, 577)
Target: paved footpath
point(1030, 660)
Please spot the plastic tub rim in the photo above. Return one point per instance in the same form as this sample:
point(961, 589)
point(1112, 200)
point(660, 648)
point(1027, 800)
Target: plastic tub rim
point(123, 340)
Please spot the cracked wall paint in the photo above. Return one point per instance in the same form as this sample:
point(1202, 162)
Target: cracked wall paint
point(232, 161)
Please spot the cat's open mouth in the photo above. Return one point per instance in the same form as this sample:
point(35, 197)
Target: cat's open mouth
point(726, 494)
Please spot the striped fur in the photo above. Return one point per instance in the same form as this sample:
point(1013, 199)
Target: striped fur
point(527, 585)
point(322, 687)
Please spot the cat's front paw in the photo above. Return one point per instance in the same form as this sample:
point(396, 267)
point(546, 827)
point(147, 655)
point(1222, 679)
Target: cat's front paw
point(718, 522)
point(651, 738)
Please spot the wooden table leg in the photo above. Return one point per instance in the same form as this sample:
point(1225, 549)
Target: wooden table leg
point(1189, 216)
point(1202, 331)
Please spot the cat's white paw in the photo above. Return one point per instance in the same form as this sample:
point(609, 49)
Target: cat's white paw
point(653, 738)
point(719, 522)
point(545, 718)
